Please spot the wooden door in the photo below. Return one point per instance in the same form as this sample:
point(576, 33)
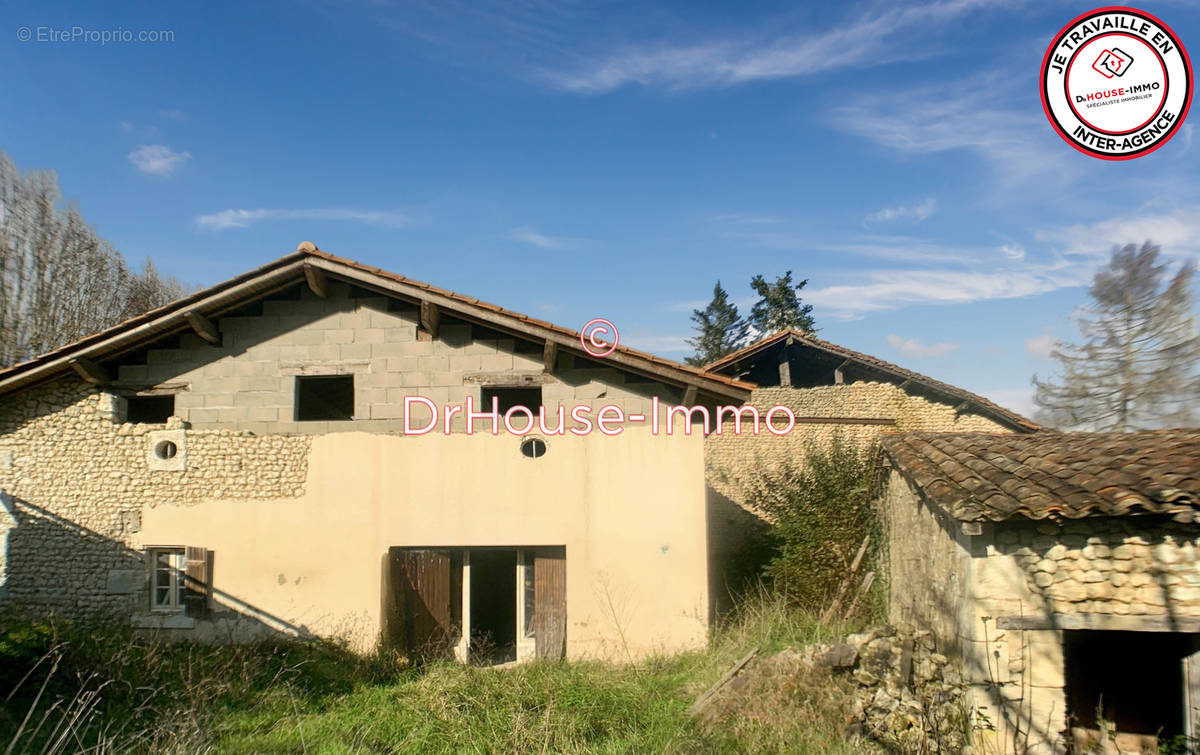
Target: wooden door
point(424, 585)
point(550, 603)
point(1191, 693)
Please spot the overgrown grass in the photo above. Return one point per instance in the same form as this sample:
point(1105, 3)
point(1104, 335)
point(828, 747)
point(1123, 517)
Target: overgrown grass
point(97, 687)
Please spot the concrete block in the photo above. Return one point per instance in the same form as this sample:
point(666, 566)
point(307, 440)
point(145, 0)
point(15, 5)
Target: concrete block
point(496, 362)
point(385, 350)
point(357, 351)
point(369, 335)
point(401, 332)
point(434, 363)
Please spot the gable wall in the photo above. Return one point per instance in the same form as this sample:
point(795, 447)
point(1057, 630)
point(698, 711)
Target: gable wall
point(247, 383)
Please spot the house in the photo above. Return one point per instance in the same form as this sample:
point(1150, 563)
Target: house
point(1062, 569)
point(306, 449)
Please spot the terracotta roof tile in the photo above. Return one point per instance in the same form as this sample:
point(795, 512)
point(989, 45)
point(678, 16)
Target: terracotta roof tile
point(977, 476)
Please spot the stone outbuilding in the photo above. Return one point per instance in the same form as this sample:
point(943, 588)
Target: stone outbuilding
point(1062, 569)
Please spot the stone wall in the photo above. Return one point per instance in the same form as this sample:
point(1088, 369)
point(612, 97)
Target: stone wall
point(925, 561)
point(1109, 572)
point(76, 484)
point(731, 459)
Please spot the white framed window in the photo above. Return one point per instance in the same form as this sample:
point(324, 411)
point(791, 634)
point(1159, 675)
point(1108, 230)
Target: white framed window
point(167, 578)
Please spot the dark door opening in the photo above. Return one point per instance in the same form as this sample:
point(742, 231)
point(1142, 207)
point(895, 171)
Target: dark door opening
point(493, 606)
point(1132, 682)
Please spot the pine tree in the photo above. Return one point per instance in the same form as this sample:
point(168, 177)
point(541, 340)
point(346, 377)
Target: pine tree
point(779, 306)
point(1138, 366)
point(720, 330)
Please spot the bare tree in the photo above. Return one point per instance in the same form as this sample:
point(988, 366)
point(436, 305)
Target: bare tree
point(1138, 366)
point(59, 281)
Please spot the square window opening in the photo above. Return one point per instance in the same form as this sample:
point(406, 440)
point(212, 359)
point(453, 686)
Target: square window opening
point(167, 579)
point(324, 398)
point(149, 410)
point(530, 398)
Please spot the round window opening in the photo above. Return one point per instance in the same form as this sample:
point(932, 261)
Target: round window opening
point(165, 449)
point(533, 448)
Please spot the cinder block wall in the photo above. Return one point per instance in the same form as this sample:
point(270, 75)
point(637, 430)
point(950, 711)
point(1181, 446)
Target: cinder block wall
point(248, 382)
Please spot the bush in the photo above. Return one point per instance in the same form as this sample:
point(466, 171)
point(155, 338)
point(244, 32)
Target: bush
point(822, 510)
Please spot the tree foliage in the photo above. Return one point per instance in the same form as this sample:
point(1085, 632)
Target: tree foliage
point(821, 507)
point(720, 330)
point(779, 306)
point(1137, 366)
point(59, 281)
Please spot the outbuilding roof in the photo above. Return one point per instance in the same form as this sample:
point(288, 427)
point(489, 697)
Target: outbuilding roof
point(983, 476)
point(733, 365)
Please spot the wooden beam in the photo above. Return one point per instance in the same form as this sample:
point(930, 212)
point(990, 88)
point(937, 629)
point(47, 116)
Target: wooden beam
point(204, 327)
point(838, 376)
point(785, 368)
point(90, 371)
point(905, 384)
point(431, 316)
point(549, 356)
point(689, 396)
point(962, 407)
point(701, 702)
point(1100, 621)
point(317, 282)
point(506, 323)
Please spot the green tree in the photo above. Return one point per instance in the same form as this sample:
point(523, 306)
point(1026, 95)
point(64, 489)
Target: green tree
point(720, 330)
point(779, 306)
point(1138, 366)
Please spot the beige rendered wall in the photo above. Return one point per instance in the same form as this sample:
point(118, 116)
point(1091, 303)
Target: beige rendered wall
point(629, 509)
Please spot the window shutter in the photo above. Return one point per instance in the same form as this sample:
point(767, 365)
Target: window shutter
point(198, 585)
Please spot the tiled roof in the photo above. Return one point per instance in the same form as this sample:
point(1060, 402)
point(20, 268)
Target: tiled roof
point(985, 406)
point(263, 280)
point(982, 476)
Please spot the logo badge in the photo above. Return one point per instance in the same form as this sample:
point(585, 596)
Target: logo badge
point(1116, 83)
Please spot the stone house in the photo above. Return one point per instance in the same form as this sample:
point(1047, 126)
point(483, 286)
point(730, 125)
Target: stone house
point(289, 451)
point(1062, 569)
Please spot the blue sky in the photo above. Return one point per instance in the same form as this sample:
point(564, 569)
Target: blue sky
point(575, 160)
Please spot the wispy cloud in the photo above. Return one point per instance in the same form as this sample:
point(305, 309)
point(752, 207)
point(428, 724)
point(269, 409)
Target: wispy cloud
point(895, 248)
point(870, 39)
point(746, 218)
point(157, 159)
point(891, 289)
point(1040, 345)
point(225, 219)
point(912, 347)
point(528, 235)
point(1013, 251)
point(912, 213)
point(1176, 230)
point(974, 115)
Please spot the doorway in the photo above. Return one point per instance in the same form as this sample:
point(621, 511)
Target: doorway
point(484, 605)
point(493, 628)
point(1128, 689)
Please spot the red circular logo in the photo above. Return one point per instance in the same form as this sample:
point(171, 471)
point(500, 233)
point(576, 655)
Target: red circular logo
point(1116, 83)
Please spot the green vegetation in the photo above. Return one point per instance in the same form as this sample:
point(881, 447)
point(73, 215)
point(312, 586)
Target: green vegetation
point(822, 511)
point(72, 687)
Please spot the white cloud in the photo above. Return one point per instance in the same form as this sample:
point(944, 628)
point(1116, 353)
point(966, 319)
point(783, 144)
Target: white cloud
point(528, 235)
point(1177, 231)
point(913, 213)
point(1019, 400)
point(873, 38)
point(971, 114)
point(912, 347)
point(1040, 345)
point(1014, 252)
point(892, 289)
point(157, 159)
point(219, 221)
